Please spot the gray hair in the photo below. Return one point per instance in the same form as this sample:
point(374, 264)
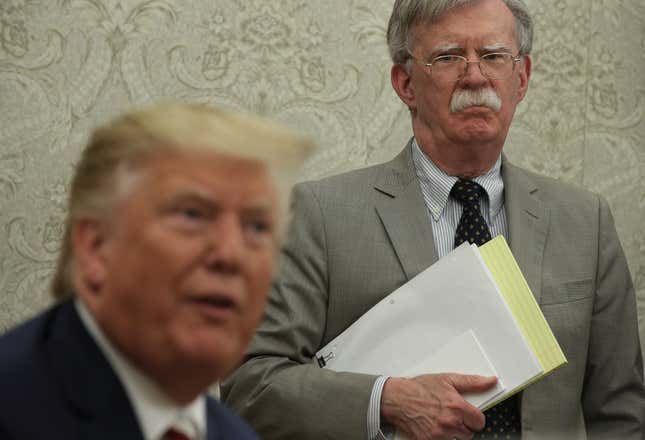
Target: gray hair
point(407, 13)
point(114, 150)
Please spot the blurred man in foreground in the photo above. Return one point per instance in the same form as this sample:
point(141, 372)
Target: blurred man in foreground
point(461, 67)
point(175, 214)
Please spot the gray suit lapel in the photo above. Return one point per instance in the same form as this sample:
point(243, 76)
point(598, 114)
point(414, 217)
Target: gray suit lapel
point(405, 219)
point(404, 214)
point(528, 221)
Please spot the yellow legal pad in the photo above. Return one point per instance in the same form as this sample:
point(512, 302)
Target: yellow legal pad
point(526, 311)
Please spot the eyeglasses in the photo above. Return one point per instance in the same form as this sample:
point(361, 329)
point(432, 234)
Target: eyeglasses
point(451, 68)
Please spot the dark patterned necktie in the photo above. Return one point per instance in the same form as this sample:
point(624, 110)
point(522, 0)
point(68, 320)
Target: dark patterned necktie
point(472, 227)
point(503, 420)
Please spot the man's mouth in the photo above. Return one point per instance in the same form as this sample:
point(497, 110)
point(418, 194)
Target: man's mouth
point(216, 306)
point(478, 108)
point(224, 303)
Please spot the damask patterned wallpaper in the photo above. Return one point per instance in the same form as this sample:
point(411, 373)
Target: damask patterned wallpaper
point(320, 66)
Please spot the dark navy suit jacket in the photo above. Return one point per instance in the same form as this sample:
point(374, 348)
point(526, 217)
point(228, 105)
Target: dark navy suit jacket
point(55, 383)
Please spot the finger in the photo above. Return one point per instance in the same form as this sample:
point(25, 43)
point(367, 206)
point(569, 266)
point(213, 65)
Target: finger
point(471, 383)
point(463, 433)
point(474, 419)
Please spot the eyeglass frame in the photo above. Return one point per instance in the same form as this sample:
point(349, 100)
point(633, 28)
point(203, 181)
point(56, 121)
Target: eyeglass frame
point(514, 58)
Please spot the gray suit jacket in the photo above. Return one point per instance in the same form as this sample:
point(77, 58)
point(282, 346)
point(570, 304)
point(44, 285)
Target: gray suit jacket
point(356, 237)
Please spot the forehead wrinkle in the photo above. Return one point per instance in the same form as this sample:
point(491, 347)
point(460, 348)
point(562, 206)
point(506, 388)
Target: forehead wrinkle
point(420, 32)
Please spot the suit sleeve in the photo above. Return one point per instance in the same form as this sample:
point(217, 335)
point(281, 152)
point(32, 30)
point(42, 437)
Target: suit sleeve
point(279, 390)
point(614, 395)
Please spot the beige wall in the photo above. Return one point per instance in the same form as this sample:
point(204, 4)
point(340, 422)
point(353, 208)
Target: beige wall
point(322, 66)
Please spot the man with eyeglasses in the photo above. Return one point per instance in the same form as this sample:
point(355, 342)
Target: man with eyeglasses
point(461, 67)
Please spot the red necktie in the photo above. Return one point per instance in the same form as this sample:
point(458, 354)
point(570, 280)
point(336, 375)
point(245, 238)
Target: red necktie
point(173, 434)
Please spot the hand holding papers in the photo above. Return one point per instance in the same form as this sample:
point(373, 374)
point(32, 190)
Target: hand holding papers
point(471, 312)
point(462, 354)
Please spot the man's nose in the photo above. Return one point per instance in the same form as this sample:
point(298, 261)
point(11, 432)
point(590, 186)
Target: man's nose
point(473, 75)
point(225, 244)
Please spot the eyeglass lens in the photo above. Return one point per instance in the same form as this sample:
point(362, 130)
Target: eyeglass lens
point(492, 66)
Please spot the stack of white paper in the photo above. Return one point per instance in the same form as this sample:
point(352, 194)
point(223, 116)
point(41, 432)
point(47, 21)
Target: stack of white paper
point(452, 317)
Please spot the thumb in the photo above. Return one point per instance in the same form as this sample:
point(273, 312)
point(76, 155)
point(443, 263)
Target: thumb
point(472, 383)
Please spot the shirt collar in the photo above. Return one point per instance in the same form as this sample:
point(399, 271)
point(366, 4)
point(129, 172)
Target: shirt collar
point(438, 183)
point(154, 410)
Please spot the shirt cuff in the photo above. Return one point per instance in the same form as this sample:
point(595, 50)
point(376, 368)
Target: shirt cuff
point(374, 411)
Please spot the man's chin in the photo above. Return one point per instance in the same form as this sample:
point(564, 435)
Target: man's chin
point(475, 129)
point(221, 357)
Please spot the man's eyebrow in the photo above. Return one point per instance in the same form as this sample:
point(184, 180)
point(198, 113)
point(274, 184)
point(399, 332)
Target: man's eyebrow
point(446, 47)
point(191, 194)
point(496, 47)
point(260, 208)
point(252, 207)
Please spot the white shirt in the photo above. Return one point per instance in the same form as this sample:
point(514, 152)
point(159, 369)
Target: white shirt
point(155, 412)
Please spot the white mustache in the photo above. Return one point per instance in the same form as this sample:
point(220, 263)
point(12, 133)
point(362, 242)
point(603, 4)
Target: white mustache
point(464, 98)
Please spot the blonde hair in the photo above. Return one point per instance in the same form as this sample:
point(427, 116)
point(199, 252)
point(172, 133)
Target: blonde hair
point(116, 147)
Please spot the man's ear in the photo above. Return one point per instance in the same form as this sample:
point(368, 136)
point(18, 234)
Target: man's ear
point(89, 238)
point(402, 86)
point(525, 75)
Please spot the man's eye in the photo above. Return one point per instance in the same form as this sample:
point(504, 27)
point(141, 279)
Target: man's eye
point(447, 59)
point(258, 231)
point(193, 213)
point(496, 57)
point(258, 226)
